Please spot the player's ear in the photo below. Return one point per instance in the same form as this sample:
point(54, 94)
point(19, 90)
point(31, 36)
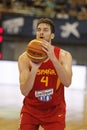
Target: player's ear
point(52, 36)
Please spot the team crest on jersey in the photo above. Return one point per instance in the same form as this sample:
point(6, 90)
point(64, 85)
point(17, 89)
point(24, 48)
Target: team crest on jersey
point(44, 95)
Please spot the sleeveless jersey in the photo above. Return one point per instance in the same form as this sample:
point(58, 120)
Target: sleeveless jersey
point(47, 91)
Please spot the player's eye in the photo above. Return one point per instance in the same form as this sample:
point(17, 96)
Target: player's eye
point(46, 29)
point(38, 30)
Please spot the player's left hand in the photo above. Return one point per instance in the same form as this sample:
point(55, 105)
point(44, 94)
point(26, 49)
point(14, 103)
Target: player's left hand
point(49, 49)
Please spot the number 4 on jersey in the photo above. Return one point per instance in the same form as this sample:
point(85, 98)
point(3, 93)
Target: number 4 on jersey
point(45, 80)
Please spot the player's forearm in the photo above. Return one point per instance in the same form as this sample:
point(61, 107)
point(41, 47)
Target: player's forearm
point(27, 83)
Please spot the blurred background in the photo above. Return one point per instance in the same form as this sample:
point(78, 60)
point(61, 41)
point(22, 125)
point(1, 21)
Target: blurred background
point(18, 19)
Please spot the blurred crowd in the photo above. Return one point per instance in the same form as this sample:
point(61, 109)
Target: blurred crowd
point(61, 9)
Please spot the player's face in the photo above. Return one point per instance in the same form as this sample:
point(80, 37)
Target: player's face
point(44, 31)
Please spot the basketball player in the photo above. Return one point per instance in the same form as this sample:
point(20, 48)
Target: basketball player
point(43, 84)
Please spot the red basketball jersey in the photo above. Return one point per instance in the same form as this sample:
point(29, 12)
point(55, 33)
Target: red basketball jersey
point(47, 92)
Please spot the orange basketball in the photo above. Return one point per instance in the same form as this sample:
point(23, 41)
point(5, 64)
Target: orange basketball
point(35, 52)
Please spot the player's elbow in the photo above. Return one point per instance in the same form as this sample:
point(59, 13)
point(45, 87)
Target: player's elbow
point(68, 82)
point(23, 93)
point(23, 90)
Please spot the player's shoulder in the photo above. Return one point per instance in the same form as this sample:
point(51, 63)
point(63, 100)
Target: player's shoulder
point(62, 51)
point(65, 53)
point(23, 56)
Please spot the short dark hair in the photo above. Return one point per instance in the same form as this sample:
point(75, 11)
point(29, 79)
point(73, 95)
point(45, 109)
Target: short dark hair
point(47, 21)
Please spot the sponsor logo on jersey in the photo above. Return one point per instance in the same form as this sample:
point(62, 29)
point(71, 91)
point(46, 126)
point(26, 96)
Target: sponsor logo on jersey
point(44, 95)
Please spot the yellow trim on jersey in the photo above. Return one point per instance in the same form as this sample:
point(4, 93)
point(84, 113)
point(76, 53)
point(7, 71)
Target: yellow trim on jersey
point(58, 83)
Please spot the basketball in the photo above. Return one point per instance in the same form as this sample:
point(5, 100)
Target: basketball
point(35, 52)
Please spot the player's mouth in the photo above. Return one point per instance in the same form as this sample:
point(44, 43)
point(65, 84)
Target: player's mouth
point(41, 37)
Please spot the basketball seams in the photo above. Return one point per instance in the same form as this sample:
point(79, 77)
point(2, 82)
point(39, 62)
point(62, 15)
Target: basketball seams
point(33, 48)
point(37, 58)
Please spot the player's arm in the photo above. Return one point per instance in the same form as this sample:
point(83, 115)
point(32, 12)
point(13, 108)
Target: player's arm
point(64, 67)
point(27, 74)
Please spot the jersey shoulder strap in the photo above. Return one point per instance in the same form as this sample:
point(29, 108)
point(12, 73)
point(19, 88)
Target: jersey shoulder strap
point(57, 51)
